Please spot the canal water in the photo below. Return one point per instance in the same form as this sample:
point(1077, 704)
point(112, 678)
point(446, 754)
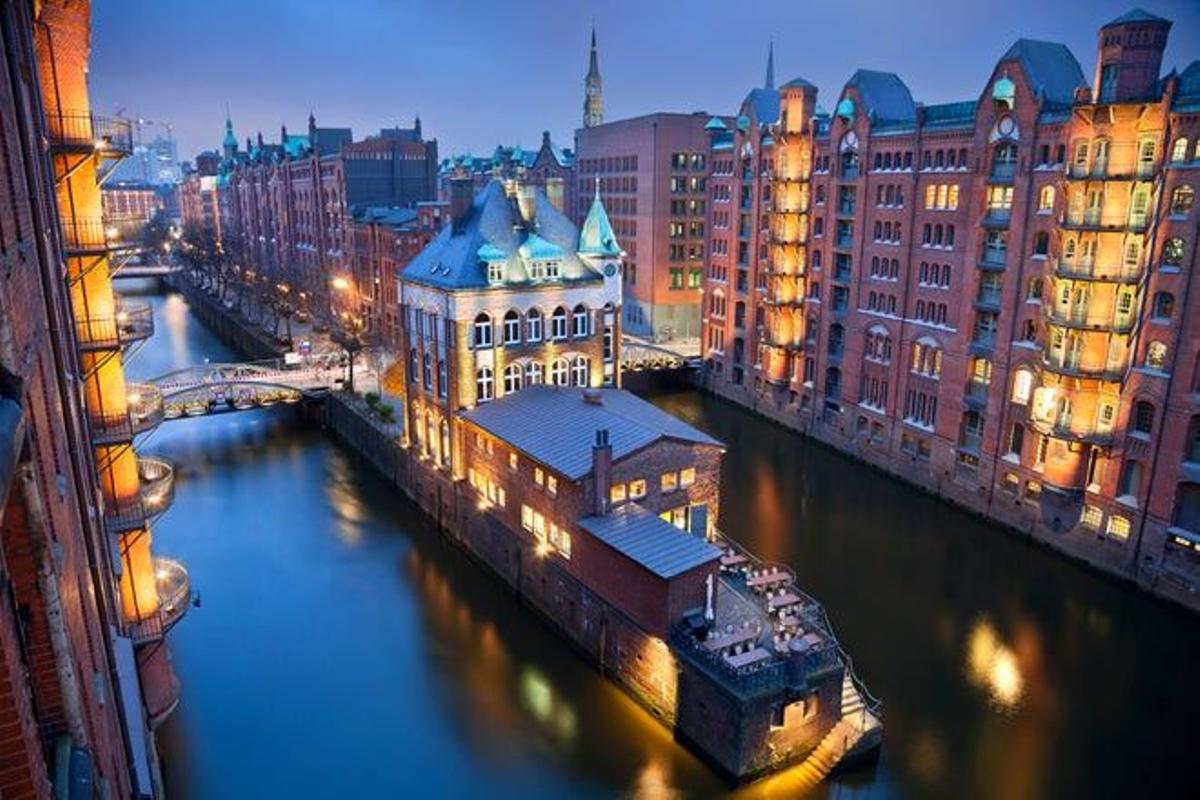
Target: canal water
point(342, 649)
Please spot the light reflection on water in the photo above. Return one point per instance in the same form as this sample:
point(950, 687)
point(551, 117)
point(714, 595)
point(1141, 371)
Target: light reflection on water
point(344, 649)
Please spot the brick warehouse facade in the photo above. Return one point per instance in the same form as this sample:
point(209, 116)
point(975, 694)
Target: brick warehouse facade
point(987, 298)
point(84, 670)
point(286, 210)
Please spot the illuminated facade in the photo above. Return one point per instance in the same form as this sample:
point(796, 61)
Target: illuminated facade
point(510, 294)
point(988, 298)
point(85, 675)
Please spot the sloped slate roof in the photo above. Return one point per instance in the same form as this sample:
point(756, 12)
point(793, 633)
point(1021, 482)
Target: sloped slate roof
point(597, 237)
point(556, 427)
point(384, 215)
point(652, 542)
point(884, 95)
point(765, 105)
point(950, 115)
point(1189, 86)
point(1051, 68)
point(451, 260)
point(1135, 15)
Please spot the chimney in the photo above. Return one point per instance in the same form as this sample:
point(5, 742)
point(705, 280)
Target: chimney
point(527, 203)
point(554, 193)
point(462, 192)
point(601, 471)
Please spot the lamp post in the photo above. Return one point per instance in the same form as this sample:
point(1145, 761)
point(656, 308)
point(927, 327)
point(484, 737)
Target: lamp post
point(349, 326)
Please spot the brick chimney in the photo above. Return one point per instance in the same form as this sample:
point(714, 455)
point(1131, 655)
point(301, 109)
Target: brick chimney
point(554, 193)
point(601, 472)
point(462, 193)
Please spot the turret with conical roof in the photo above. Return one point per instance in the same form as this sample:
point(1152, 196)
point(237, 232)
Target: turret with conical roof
point(1130, 52)
point(596, 237)
point(593, 101)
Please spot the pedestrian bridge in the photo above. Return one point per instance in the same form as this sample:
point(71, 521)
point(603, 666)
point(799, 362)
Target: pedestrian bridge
point(131, 270)
point(209, 388)
point(638, 355)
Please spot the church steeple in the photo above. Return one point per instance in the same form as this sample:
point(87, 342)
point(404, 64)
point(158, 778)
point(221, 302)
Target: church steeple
point(770, 84)
point(593, 101)
point(230, 143)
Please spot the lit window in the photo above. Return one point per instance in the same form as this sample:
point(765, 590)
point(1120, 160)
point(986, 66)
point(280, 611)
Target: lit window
point(1092, 517)
point(539, 477)
point(617, 493)
point(512, 460)
point(670, 481)
point(552, 485)
point(1022, 386)
point(687, 476)
point(637, 488)
point(1118, 527)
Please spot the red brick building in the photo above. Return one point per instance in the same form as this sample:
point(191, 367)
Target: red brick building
point(988, 298)
point(85, 603)
point(550, 167)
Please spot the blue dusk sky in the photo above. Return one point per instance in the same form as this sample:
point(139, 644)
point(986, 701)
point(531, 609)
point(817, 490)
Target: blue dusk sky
point(479, 73)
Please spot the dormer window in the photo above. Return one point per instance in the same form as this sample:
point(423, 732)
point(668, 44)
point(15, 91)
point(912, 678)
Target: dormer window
point(552, 269)
point(495, 270)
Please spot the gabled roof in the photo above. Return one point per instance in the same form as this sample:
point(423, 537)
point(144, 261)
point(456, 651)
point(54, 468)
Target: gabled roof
point(1051, 69)
point(1135, 15)
point(566, 425)
point(452, 261)
point(884, 96)
point(650, 541)
point(596, 237)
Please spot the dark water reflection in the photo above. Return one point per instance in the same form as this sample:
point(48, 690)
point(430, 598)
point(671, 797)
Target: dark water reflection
point(343, 649)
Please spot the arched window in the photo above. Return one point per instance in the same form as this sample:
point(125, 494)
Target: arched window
point(1164, 305)
point(533, 325)
point(559, 371)
point(1187, 507)
point(836, 339)
point(833, 383)
point(533, 373)
point(1046, 200)
point(1022, 386)
point(1172, 253)
point(513, 378)
point(579, 371)
point(1035, 289)
point(512, 328)
point(427, 372)
point(945, 275)
point(484, 384)
point(1143, 416)
point(412, 365)
point(443, 378)
point(1181, 200)
point(1041, 243)
point(558, 323)
point(1179, 150)
point(483, 330)
point(445, 443)
point(580, 319)
point(1156, 356)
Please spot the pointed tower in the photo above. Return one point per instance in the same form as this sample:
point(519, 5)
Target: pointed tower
point(770, 82)
point(596, 236)
point(230, 143)
point(593, 101)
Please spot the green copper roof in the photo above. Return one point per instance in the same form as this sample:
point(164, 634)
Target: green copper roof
point(535, 248)
point(845, 108)
point(596, 237)
point(489, 252)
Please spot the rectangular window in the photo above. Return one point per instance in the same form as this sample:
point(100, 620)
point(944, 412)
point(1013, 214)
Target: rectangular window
point(637, 488)
point(539, 477)
point(1092, 517)
point(552, 485)
point(670, 482)
point(616, 494)
point(1118, 527)
point(687, 476)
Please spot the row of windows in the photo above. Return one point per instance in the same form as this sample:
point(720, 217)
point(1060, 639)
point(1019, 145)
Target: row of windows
point(941, 196)
point(547, 533)
point(563, 372)
point(588, 166)
point(511, 331)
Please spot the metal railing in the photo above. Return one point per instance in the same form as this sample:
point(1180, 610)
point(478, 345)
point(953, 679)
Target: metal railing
point(86, 235)
point(156, 492)
point(1087, 270)
point(994, 257)
point(82, 130)
point(997, 216)
point(144, 411)
point(132, 322)
point(174, 589)
point(1003, 170)
point(1080, 318)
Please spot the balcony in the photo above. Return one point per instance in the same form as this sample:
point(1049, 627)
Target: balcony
point(1061, 429)
point(988, 298)
point(1003, 171)
point(174, 597)
point(1088, 271)
point(84, 132)
point(971, 443)
point(849, 172)
point(976, 394)
point(843, 242)
point(983, 343)
point(132, 323)
point(1073, 367)
point(997, 217)
point(1080, 319)
point(156, 492)
point(993, 259)
point(92, 236)
point(1093, 220)
point(144, 411)
point(845, 209)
